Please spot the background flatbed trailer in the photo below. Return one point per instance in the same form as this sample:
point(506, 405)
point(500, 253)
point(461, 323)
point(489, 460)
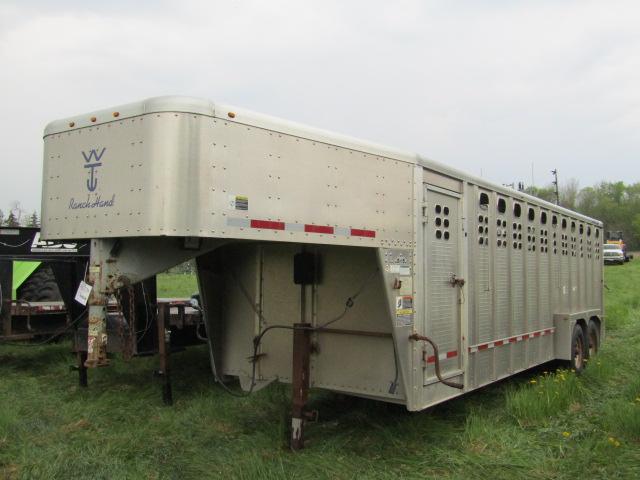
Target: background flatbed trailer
point(323, 261)
point(23, 319)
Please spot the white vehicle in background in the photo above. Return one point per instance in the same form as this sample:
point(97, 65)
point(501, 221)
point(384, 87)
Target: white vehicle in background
point(613, 254)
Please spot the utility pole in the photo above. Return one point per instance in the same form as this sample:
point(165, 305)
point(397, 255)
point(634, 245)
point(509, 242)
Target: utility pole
point(555, 183)
point(533, 182)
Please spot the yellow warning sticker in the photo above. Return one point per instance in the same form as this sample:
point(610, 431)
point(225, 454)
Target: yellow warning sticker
point(238, 202)
point(404, 310)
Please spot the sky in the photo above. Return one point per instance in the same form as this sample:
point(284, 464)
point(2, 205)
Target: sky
point(507, 90)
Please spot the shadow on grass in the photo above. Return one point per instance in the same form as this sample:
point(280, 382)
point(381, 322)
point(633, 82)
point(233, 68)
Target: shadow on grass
point(33, 358)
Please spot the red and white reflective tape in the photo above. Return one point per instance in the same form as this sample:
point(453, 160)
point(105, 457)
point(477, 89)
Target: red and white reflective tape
point(35, 309)
point(443, 356)
point(514, 339)
point(49, 308)
point(299, 227)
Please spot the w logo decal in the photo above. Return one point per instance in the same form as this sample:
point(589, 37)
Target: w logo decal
point(92, 181)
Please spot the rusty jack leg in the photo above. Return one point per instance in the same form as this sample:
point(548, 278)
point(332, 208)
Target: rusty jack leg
point(164, 349)
point(300, 382)
point(97, 325)
point(97, 334)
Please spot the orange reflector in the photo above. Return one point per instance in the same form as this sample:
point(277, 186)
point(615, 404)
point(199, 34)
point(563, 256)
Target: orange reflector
point(93, 119)
point(72, 124)
point(116, 114)
point(231, 115)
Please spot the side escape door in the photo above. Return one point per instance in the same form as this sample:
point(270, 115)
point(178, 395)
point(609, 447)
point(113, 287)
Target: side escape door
point(442, 272)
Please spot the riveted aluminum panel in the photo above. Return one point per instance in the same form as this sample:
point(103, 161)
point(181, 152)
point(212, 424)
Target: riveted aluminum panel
point(574, 289)
point(545, 285)
point(238, 322)
point(482, 320)
point(355, 273)
point(582, 268)
point(502, 286)
point(564, 250)
point(555, 255)
point(442, 243)
point(194, 175)
point(531, 219)
point(518, 299)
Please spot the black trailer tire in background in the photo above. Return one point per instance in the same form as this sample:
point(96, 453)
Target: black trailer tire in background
point(593, 338)
point(578, 349)
point(41, 286)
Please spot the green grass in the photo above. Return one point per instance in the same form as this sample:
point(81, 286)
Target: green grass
point(560, 426)
point(176, 285)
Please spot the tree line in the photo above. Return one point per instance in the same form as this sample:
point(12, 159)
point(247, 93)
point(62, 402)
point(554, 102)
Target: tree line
point(616, 204)
point(17, 217)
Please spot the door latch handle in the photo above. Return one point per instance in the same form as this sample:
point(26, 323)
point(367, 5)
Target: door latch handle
point(456, 281)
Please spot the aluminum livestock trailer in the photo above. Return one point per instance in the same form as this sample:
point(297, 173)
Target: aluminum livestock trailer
point(323, 261)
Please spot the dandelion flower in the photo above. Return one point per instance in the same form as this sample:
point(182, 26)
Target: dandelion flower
point(533, 381)
point(566, 434)
point(611, 440)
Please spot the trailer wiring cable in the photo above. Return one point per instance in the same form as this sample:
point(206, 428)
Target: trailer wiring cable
point(16, 246)
point(147, 323)
point(394, 385)
point(200, 322)
point(257, 340)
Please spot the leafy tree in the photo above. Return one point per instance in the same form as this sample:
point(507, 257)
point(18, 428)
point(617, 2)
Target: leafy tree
point(616, 204)
point(545, 193)
point(569, 194)
point(1, 218)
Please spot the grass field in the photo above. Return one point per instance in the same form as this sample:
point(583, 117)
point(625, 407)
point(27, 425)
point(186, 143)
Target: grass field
point(541, 424)
point(176, 285)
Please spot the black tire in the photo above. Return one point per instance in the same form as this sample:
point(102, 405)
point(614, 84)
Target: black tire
point(593, 338)
point(41, 286)
point(578, 350)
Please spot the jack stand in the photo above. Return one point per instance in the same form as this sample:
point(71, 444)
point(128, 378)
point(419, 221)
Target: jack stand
point(164, 349)
point(81, 357)
point(97, 332)
point(300, 382)
point(97, 324)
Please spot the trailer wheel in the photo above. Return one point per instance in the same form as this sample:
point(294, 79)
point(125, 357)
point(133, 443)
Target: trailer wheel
point(578, 349)
point(594, 338)
point(41, 286)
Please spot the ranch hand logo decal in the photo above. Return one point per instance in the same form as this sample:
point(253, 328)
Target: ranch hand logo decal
point(92, 181)
point(92, 161)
